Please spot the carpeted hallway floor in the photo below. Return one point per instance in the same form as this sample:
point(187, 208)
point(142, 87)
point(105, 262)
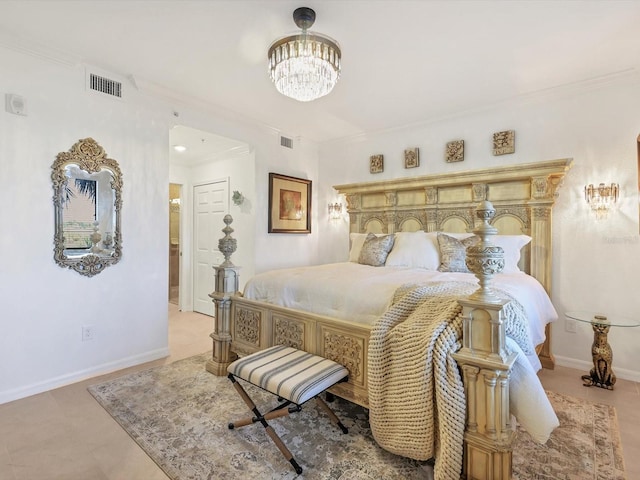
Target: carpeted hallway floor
point(66, 434)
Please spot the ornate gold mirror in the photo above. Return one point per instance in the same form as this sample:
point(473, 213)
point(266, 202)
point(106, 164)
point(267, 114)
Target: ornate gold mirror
point(87, 197)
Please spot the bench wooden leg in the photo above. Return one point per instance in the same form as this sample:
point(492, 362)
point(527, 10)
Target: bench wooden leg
point(280, 412)
point(332, 415)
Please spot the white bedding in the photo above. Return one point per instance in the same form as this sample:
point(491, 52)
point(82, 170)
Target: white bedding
point(361, 293)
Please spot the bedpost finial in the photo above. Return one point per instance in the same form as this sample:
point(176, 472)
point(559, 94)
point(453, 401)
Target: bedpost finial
point(227, 245)
point(485, 259)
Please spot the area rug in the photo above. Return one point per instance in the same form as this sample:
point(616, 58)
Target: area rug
point(179, 414)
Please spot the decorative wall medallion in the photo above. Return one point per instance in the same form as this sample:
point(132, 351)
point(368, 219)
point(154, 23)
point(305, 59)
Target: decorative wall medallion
point(455, 151)
point(376, 163)
point(411, 158)
point(504, 142)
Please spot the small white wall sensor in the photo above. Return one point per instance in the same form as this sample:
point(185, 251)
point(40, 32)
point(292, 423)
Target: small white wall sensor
point(15, 104)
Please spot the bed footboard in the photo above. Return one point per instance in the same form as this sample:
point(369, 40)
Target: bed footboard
point(255, 326)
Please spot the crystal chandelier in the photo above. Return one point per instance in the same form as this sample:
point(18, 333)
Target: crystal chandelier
point(304, 66)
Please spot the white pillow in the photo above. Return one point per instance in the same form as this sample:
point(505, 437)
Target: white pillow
point(415, 250)
point(512, 245)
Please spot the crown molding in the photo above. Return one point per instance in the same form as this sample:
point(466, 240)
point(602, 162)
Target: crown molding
point(20, 44)
point(171, 96)
point(555, 92)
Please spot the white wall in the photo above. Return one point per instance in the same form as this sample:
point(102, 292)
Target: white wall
point(45, 306)
point(596, 263)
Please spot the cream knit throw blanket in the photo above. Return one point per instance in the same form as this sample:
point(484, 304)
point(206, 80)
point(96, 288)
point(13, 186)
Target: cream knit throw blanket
point(416, 395)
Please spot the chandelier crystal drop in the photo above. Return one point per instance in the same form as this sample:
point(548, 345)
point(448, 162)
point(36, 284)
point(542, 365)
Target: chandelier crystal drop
point(304, 66)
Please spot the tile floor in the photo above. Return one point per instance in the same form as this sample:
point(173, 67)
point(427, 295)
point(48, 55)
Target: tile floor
point(64, 434)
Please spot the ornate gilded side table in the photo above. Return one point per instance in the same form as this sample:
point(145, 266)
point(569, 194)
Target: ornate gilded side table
point(601, 374)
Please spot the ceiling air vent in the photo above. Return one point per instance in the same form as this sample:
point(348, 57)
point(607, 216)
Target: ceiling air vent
point(286, 142)
point(105, 85)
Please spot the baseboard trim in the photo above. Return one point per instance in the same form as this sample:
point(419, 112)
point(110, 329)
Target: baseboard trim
point(622, 373)
point(61, 381)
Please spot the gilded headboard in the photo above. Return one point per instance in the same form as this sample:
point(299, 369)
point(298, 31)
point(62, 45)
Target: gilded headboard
point(522, 194)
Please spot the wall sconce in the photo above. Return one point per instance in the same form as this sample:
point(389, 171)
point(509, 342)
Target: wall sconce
point(335, 210)
point(237, 198)
point(602, 197)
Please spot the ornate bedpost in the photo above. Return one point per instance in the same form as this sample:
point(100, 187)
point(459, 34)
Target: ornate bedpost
point(485, 363)
point(226, 285)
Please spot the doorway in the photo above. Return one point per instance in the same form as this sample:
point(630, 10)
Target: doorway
point(174, 243)
point(200, 158)
point(210, 205)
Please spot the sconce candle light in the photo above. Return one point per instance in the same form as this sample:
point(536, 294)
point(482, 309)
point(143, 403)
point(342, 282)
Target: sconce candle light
point(335, 210)
point(602, 197)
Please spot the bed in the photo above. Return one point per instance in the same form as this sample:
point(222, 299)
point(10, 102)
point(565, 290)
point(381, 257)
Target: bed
point(408, 209)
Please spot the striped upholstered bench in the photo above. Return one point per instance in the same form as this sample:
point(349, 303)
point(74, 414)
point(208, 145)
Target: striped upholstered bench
point(294, 377)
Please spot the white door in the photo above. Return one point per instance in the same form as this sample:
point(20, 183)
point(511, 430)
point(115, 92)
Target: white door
point(210, 205)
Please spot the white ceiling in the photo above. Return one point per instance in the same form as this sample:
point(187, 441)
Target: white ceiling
point(404, 62)
point(201, 147)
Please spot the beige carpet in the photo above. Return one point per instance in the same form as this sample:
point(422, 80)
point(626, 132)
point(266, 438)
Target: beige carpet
point(179, 413)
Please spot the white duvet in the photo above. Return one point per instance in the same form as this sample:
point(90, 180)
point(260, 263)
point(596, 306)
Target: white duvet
point(361, 293)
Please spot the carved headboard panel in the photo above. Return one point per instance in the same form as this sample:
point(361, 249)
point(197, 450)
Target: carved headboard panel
point(523, 196)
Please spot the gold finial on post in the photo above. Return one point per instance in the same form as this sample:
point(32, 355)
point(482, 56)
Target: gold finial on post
point(485, 259)
point(227, 245)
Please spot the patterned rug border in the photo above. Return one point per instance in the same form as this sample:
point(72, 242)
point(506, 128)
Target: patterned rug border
point(539, 462)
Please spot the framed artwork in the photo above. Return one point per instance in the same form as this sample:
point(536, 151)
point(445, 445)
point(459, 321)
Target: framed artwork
point(455, 151)
point(376, 163)
point(504, 142)
point(411, 158)
point(289, 204)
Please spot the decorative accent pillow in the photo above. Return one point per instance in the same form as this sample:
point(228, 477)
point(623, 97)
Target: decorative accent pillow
point(357, 240)
point(375, 250)
point(453, 252)
point(415, 250)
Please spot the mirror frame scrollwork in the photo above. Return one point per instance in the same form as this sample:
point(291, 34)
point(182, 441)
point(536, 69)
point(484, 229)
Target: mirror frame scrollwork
point(89, 156)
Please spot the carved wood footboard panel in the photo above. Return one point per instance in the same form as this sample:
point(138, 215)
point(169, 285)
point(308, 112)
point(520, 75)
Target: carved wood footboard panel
point(255, 326)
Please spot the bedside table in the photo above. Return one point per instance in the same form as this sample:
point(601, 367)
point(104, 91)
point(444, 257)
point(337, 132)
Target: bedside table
point(601, 374)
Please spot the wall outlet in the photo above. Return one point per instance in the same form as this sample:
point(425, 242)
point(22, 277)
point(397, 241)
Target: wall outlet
point(570, 325)
point(88, 332)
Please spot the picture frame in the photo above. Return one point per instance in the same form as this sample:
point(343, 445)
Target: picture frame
point(289, 204)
